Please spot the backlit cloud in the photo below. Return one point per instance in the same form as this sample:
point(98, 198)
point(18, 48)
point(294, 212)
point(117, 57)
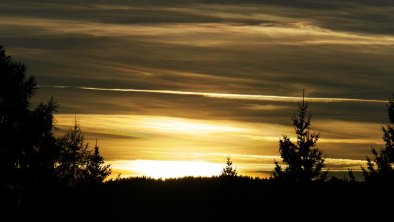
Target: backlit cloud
point(231, 70)
point(227, 95)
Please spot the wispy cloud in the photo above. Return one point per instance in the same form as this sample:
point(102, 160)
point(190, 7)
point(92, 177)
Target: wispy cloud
point(214, 34)
point(170, 138)
point(226, 95)
point(243, 62)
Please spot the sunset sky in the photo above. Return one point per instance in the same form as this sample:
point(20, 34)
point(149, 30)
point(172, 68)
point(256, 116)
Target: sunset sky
point(171, 88)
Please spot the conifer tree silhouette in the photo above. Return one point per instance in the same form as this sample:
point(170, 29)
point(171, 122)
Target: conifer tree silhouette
point(380, 169)
point(96, 168)
point(229, 170)
point(304, 161)
point(28, 149)
point(77, 164)
point(73, 156)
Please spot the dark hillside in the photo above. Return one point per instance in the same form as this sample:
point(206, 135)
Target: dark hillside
point(210, 199)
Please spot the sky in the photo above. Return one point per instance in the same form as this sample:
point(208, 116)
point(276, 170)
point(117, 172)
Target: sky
point(171, 88)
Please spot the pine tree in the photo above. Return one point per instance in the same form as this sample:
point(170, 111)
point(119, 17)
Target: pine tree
point(304, 160)
point(96, 168)
point(74, 156)
point(229, 170)
point(380, 169)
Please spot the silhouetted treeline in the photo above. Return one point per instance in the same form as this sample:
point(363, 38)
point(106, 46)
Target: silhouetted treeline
point(60, 178)
point(304, 161)
point(216, 199)
point(31, 157)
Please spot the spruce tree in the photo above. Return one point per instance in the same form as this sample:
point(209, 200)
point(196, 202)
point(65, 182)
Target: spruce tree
point(96, 170)
point(229, 170)
point(380, 169)
point(304, 161)
point(74, 156)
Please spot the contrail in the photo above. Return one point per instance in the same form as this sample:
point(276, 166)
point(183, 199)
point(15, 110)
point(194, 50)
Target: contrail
point(224, 95)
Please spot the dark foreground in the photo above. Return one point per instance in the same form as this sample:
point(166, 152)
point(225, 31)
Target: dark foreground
point(207, 199)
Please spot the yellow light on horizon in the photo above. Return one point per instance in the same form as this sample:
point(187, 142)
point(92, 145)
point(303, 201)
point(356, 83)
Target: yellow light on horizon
point(173, 147)
point(254, 166)
point(167, 169)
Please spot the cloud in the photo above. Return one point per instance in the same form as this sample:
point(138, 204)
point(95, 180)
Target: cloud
point(211, 61)
point(225, 95)
point(248, 41)
point(171, 138)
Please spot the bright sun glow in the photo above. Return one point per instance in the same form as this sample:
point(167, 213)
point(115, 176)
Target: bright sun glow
point(167, 169)
point(165, 147)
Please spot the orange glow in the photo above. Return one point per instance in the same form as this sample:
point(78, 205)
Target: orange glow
point(167, 169)
point(164, 147)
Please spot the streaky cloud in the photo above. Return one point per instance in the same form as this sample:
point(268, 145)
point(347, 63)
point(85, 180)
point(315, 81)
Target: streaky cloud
point(225, 95)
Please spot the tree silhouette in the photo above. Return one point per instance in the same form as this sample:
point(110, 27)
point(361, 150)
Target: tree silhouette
point(304, 160)
point(77, 164)
point(28, 149)
point(74, 156)
point(96, 170)
point(46, 149)
point(390, 109)
point(380, 169)
point(229, 170)
point(352, 177)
